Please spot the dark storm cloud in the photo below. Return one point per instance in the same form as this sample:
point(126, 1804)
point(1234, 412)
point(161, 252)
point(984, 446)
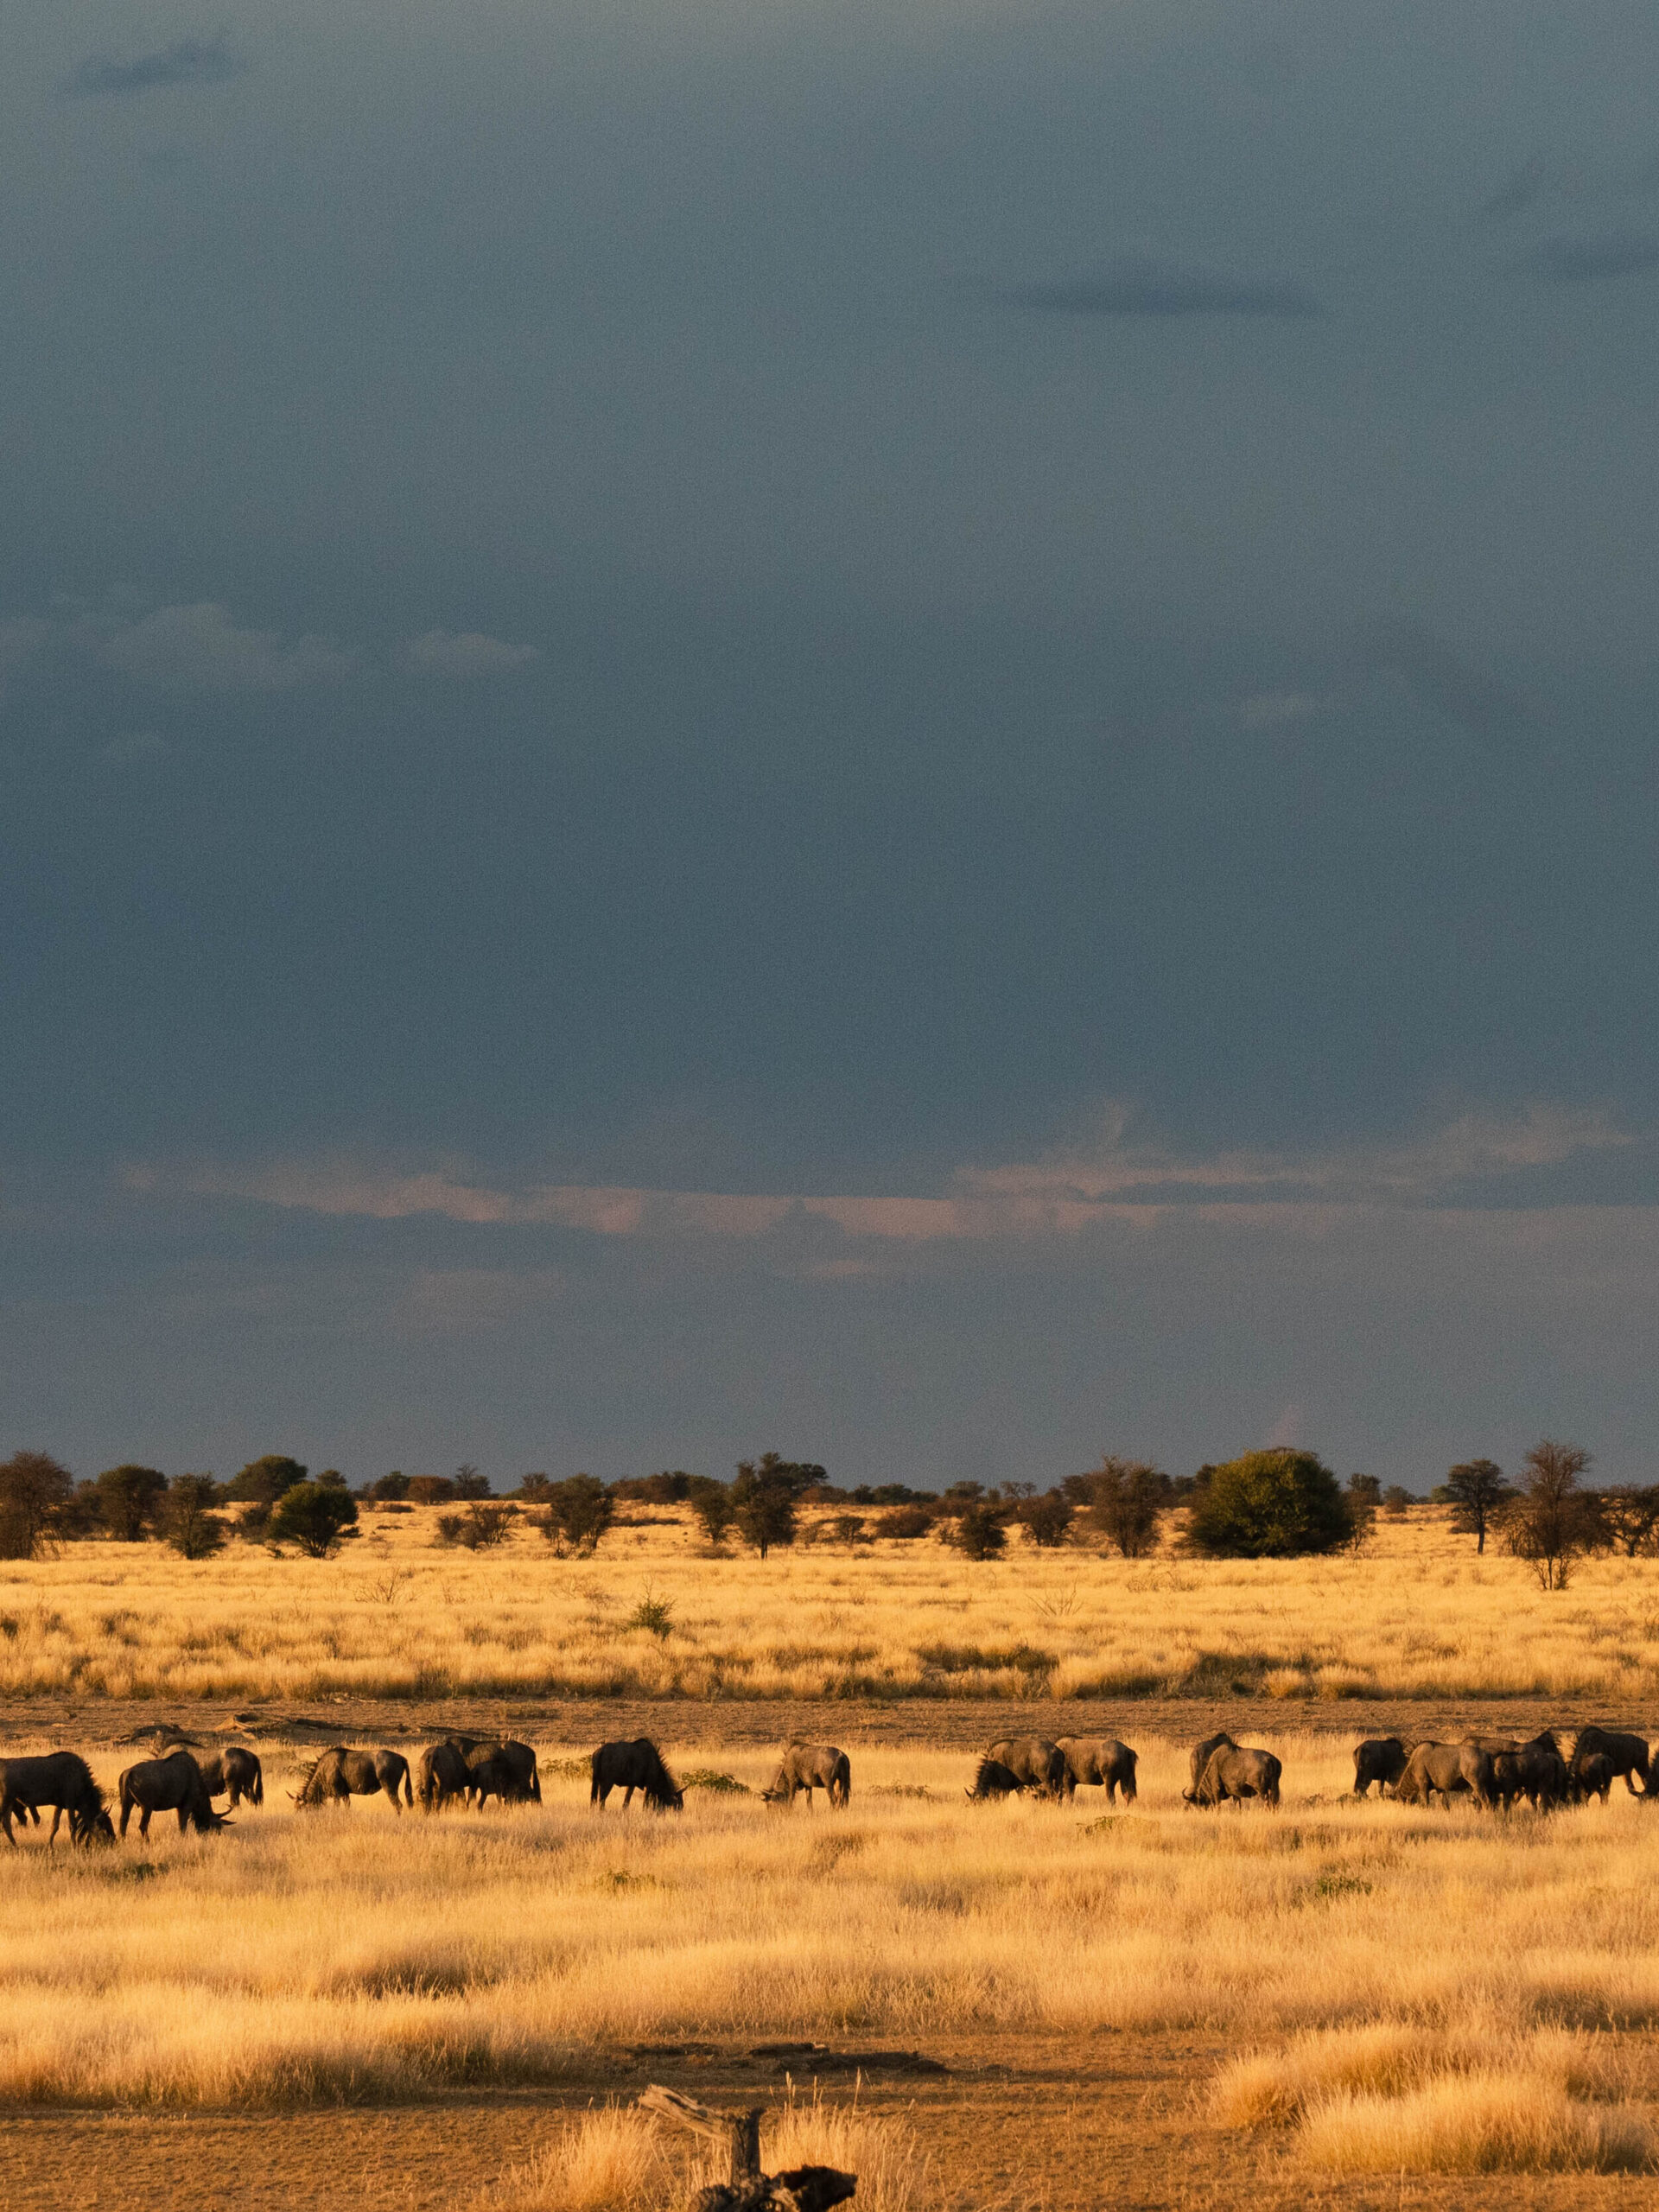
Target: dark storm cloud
point(1144, 283)
point(1436, 676)
point(186, 61)
point(1581, 260)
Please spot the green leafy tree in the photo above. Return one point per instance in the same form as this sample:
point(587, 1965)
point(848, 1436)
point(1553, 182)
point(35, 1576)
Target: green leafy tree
point(579, 1511)
point(129, 1499)
point(1364, 1498)
point(187, 1520)
point(262, 1482)
point(33, 1489)
point(766, 1495)
point(1270, 1505)
point(313, 1515)
point(1478, 1491)
point(390, 1489)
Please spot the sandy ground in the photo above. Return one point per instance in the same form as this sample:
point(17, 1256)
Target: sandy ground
point(1015, 2123)
point(966, 1725)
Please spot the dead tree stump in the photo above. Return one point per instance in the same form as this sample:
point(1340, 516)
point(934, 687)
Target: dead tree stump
point(803, 2189)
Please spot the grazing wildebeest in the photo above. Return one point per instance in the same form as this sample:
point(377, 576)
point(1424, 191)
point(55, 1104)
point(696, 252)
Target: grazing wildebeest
point(237, 1770)
point(341, 1774)
point(1099, 1759)
point(440, 1774)
point(173, 1784)
point(809, 1767)
point(518, 1765)
point(1380, 1759)
point(1202, 1755)
point(1038, 1763)
point(492, 1774)
point(62, 1780)
point(1629, 1754)
point(1592, 1777)
point(992, 1779)
point(1236, 1771)
point(1446, 1769)
point(628, 1767)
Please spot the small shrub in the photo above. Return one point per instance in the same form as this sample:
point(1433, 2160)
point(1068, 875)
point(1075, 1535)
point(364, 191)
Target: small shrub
point(579, 1511)
point(906, 1522)
point(430, 1489)
point(1047, 1520)
point(454, 1529)
point(717, 1785)
point(313, 1516)
point(979, 1532)
point(654, 1615)
point(1397, 1501)
point(187, 1523)
point(1270, 1505)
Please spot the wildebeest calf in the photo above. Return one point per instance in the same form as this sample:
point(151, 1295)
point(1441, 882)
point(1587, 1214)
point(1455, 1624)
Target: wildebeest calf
point(809, 1767)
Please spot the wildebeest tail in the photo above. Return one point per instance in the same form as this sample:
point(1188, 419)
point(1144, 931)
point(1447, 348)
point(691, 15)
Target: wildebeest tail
point(843, 1778)
point(593, 1771)
point(409, 1787)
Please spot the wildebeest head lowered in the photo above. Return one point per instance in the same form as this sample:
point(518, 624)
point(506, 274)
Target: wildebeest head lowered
point(62, 1780)
point(1038, 1763)
point(1235, 1772)
point(631, 1766)
point(1202, 1755)
point(173, 1784)
point(993, 1779)
point(342, 1773)
point(235, 1770)
point(1100, 1760)
point(809, 1767)
point(1380, 1759)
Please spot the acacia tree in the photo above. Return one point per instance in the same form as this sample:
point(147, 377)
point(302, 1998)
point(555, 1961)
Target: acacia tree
point(1630, 1514)
point(34, 1488)
point(313, 1515)
point(765, 1496)
point(1126, 1499)
point(129, 1499)
point(1270, 1505)
point(1478, 1491)
point(187, 1522)
point(579, 1511)
point(1551, 1522)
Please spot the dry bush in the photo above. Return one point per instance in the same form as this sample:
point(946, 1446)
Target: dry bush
point(610, 2159)
point(1476, 2124)
point(882, 2151)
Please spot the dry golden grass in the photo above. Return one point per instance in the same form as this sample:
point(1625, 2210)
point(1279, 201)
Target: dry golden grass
point(1416, 1616)
point(1421, 1966)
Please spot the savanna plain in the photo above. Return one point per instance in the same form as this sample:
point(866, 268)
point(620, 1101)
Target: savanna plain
point(998, 2005)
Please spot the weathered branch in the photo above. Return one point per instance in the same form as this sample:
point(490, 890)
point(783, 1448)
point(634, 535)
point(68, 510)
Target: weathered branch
point(803, 2189)
point(741, 2132)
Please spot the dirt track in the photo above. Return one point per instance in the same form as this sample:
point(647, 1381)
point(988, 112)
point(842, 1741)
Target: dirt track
point(946, 1724)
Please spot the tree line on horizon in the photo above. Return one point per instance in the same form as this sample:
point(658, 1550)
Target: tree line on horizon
point(1275, 1503)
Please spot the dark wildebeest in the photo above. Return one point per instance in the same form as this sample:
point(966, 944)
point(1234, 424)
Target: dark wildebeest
point(440, 1775)
point(62, 1780)
point(1627, 1753)
point(1236, 1771)
point(1446, 1769)
point(342, 1774)
point(1202, 1755)
point(492, 1774)
point(809, 1767)
point(1037, 1764)
point(237, 1770)
point(992, 1779)
point(518, 1765)
point(173, 1784)
point(1098, 1760)
point(1380, 1759)
point(1592, 1777)
point(1533, 1773)
point(628, 1767)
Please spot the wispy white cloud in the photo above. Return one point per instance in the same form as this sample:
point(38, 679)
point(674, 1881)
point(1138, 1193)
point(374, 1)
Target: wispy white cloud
point(200, 647)
point(1110, 1180)
point(467, 653)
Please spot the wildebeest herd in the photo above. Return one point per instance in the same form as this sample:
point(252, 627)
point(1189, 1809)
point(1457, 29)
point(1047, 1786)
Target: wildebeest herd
point(1557, 1767)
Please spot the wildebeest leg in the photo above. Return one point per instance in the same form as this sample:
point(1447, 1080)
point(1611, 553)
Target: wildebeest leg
point(184, 1818)
point(143, 1821)
point(7, 1808)
point(57, 1814)
point(627, 1797)
point(601, 1791)
point(390, 1789)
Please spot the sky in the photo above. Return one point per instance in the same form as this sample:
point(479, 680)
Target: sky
point(922, 734)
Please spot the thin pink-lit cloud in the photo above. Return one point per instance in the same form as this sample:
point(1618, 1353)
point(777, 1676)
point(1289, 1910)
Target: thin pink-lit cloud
point(1111, 1178)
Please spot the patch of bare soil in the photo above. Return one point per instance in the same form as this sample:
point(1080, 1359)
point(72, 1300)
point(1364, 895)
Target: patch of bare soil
point(1014, 2123)
point(942, 1724)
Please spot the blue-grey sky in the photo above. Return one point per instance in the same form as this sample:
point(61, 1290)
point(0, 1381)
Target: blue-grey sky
point(922, 733)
